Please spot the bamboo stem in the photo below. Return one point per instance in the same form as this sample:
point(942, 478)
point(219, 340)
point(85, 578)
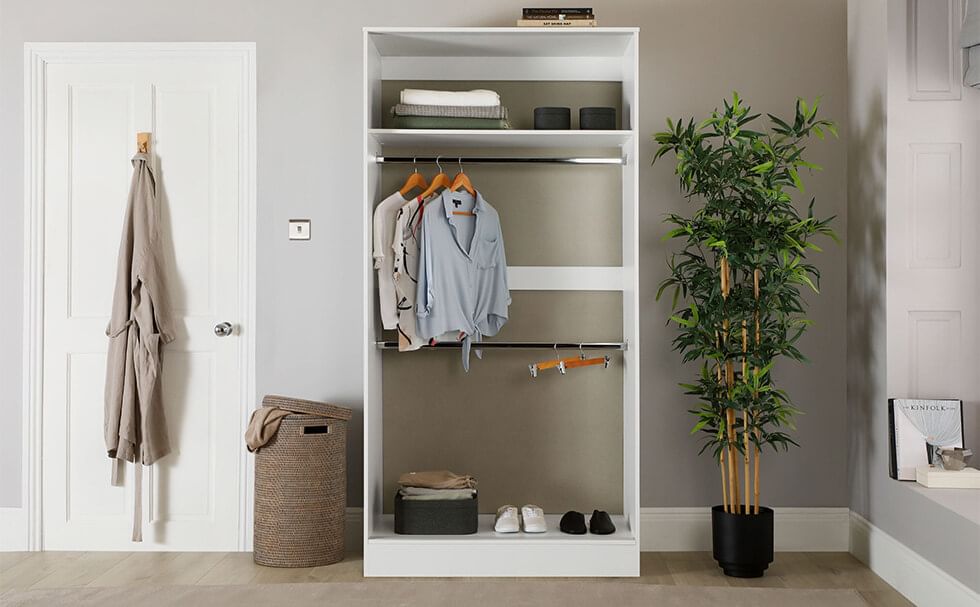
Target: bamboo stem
point(756, 472)
point(725, 278)
point(745, 352)
point(732, 470)
point(724, 488)
point(756, 278)
point(745, 437)
point(733, 466)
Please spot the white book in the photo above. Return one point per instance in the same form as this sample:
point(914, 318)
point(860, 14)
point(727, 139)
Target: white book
point(933, 477)
point(917, 426)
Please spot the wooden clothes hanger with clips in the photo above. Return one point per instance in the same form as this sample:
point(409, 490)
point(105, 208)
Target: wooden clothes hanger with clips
point(462, 181)
point(415, 181)
point(562, 364)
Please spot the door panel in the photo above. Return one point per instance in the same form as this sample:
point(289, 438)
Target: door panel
point(93, 111)
point(933, 261)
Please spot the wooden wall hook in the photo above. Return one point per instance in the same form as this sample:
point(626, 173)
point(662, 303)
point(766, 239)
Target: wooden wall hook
point(143, 143)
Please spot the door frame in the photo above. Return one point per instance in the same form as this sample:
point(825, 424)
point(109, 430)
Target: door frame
point(37, 57)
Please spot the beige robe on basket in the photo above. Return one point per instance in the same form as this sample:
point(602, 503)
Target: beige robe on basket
point(135, 425)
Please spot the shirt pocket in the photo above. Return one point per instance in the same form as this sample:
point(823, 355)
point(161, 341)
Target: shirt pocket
point(486, 257)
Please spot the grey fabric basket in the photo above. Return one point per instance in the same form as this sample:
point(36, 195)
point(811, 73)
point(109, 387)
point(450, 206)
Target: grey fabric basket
point(436, 517)
point(301, 486)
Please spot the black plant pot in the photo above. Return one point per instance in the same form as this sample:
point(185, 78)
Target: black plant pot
point(742, 543)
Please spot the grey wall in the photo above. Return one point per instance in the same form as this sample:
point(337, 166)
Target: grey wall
point(693, 53)
point(949, 539)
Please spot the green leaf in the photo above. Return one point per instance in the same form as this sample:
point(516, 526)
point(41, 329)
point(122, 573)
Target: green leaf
point(765, 167)
point(796, 180)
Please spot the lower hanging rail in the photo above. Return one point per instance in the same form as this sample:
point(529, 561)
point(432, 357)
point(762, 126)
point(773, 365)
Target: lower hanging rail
point(519, 345)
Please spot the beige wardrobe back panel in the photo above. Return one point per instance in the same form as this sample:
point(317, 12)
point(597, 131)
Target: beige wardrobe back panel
point(550, 215)
point(555, 441)
point(519, 97)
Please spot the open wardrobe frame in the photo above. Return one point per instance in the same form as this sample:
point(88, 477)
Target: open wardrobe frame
point(509, 54)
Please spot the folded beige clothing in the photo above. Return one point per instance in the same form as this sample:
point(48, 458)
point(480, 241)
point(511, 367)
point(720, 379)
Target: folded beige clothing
point(427, 491)
point(420, 494)
point(437, 479)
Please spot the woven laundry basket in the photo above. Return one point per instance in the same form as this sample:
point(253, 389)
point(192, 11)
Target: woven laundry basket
point(301, 486)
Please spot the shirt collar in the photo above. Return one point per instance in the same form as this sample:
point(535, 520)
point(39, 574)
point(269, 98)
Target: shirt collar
point(478, 206)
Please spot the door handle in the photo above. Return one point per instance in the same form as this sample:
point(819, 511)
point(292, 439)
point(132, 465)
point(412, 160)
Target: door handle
point(224, 329)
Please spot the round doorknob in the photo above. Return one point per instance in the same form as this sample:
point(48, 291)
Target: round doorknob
point(223, 329)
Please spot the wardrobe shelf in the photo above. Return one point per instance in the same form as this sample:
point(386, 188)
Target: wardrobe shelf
point(432, 139)
point(384, 533)
point(565, 278)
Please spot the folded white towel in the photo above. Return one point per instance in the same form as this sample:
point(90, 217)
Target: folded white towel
point(478, 97)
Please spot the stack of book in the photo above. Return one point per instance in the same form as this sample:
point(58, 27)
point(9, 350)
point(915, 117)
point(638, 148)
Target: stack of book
point(557, 17)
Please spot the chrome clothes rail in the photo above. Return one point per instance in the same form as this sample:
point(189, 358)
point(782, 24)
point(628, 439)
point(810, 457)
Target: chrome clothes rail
point(519, 345)
point(614, 160)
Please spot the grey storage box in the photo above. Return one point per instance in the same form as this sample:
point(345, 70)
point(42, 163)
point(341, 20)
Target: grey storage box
point(597, 118)
point(301, 486)
point(552, 118)
point(436, 517)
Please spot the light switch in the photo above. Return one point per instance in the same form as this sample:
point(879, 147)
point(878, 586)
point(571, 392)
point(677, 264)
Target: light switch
point(299, 229)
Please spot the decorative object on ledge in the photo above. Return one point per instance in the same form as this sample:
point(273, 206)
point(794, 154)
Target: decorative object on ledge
point(740, 271)
point(954, 458)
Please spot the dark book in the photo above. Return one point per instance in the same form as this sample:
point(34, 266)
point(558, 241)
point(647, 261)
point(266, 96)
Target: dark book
point(558, 16)
point(530, 13)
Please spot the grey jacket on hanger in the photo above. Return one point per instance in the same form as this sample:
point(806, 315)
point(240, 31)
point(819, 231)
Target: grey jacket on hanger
point(135, 424)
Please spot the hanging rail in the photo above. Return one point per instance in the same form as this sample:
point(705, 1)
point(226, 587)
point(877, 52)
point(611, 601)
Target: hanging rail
point(615, 160)
point(520, 345)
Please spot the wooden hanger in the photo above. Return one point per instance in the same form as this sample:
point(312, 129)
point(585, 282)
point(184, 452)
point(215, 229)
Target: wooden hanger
point(588, 362)
point(440, 181)
point(143, 143)
point(462, 181)
point(415, 181)
point(562, 364)
point(556, 363)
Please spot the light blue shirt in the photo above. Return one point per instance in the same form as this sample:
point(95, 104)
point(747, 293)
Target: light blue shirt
point(462, 281)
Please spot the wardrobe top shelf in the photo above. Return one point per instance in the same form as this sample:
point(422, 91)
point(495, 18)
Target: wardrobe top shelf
point(502, 41)
point(478, 138)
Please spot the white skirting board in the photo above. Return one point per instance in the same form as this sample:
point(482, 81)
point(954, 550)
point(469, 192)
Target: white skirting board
point(916, 578)
point(13, 530)
point(795, 529)
point(689, 529)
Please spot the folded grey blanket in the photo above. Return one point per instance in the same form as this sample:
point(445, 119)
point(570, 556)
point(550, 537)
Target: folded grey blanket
point(496, 112)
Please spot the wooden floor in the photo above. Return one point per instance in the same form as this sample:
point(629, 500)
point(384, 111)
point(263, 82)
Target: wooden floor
point(19, 570)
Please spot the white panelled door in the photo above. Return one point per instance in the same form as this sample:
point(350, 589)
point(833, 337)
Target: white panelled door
point(92, 112)
point(933, 256)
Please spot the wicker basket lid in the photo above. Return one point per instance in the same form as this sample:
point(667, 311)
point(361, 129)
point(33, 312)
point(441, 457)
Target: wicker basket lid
point(310, 407)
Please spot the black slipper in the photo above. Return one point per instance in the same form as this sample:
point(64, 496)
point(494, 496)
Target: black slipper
point(572, 522)
point(600, 523)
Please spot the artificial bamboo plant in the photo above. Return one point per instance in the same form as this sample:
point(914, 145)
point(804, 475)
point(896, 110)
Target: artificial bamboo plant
point(738, 276)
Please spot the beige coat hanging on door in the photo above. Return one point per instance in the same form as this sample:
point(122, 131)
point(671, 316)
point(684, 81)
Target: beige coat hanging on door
point(135, 424)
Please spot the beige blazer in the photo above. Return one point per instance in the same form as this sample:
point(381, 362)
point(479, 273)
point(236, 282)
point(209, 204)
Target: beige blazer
point(135, 423)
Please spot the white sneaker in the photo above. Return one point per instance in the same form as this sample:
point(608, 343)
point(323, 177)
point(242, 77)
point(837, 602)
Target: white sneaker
point(507, 520)
point(533, 517)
